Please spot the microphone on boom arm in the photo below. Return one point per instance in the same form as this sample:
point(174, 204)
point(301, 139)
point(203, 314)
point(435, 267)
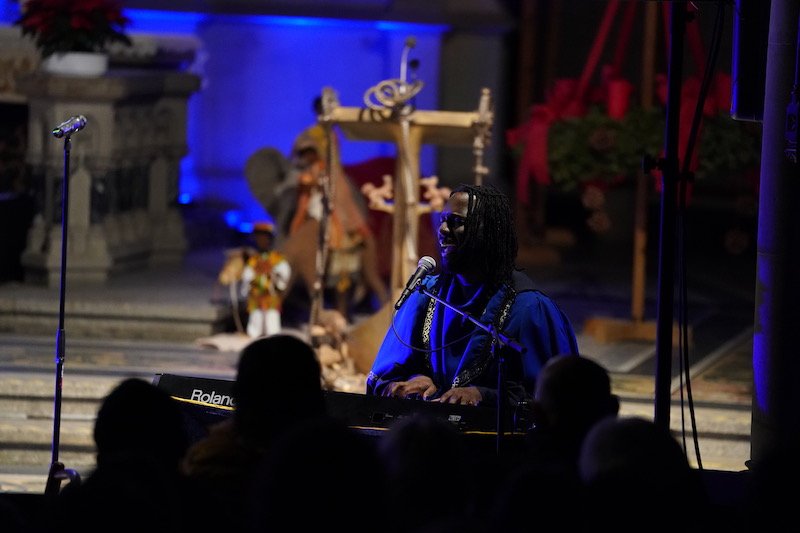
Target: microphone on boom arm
point(425, 266)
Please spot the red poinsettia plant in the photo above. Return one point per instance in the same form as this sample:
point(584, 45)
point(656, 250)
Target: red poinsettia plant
point(59, 26)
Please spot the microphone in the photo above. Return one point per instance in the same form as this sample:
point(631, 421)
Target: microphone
point(70, 126)
point(410, 43)
point(424, 267)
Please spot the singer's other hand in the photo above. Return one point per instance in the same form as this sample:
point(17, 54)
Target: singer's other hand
point(418, 386)
point(462, 395)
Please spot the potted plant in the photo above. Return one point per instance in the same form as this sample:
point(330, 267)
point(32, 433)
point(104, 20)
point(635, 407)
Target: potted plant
point(70, 31)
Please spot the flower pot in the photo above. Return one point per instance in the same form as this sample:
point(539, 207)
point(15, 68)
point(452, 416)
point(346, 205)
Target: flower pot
point(76, 63)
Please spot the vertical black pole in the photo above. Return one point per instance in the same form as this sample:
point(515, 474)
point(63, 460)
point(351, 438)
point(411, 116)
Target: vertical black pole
point(670, 176)
point(501, 397)
point(53, 482)
point(776, 366)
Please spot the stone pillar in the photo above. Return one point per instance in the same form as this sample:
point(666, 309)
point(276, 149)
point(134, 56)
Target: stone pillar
point(124, 172)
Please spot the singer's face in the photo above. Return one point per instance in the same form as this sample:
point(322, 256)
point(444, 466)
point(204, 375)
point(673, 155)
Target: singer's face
point(451, 233)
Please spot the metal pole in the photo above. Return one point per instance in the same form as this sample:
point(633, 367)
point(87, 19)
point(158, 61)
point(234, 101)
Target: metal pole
point(53, 480)
point(57, 471)
point(670, 177)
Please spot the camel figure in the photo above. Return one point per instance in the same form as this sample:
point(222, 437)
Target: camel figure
point(298, 192)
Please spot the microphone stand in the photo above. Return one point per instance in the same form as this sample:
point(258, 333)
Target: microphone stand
point(499, 338)
point(57, 472)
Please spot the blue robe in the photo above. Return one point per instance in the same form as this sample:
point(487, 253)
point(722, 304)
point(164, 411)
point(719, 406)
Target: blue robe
point(428, 338)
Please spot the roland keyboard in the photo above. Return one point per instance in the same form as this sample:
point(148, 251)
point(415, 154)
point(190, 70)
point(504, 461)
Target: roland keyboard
point(209, 400)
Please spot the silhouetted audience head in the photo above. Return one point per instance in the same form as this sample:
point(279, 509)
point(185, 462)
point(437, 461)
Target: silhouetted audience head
point(432, 474)
point(636, 472)
point(278, 385)
point(571, 395)
point(574, 392)
point(278, 382)
point(137, 485)
point(538, 496)
point(139, 419)
point(12, 516)
point(319, 475)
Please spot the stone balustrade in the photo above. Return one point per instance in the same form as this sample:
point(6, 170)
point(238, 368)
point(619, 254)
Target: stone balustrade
point(124, 171)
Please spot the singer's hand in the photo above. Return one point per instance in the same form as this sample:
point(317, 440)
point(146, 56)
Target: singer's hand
point(462, 395)
point(417, 387)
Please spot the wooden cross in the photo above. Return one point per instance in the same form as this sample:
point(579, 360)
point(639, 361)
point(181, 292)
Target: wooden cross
point(393, 119)
point(410, 129)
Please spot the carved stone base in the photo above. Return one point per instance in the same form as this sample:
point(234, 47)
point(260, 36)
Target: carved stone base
point(89, 258)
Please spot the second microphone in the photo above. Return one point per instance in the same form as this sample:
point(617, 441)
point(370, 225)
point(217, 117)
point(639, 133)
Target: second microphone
point(425, 266)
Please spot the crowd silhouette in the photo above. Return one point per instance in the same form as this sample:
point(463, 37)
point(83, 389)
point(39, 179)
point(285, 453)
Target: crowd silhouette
point(137, 484)
point(277, 386)
point(282, 461)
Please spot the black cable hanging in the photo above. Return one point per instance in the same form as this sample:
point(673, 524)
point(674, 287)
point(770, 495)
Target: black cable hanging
point(685, 177)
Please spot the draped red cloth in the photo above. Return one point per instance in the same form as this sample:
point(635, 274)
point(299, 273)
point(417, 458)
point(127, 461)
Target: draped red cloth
point(717, 100)
point(532, 135)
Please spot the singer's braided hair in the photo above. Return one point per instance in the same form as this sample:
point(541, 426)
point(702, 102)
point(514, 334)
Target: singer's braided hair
point(489, 235)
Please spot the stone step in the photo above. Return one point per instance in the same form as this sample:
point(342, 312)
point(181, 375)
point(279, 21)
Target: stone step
point(26, 408)
point(24, 322)
point(27, 441)
point(27, 425)
point(113, 320)
point(40, 386)
point(169, 304)
point(723, 432)
point(711, 420)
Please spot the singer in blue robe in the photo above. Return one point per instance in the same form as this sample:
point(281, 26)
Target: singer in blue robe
point(434, 353)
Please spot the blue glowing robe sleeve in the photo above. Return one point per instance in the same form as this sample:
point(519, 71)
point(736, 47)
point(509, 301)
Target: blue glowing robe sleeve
point(402, 354)
point(543, 329)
